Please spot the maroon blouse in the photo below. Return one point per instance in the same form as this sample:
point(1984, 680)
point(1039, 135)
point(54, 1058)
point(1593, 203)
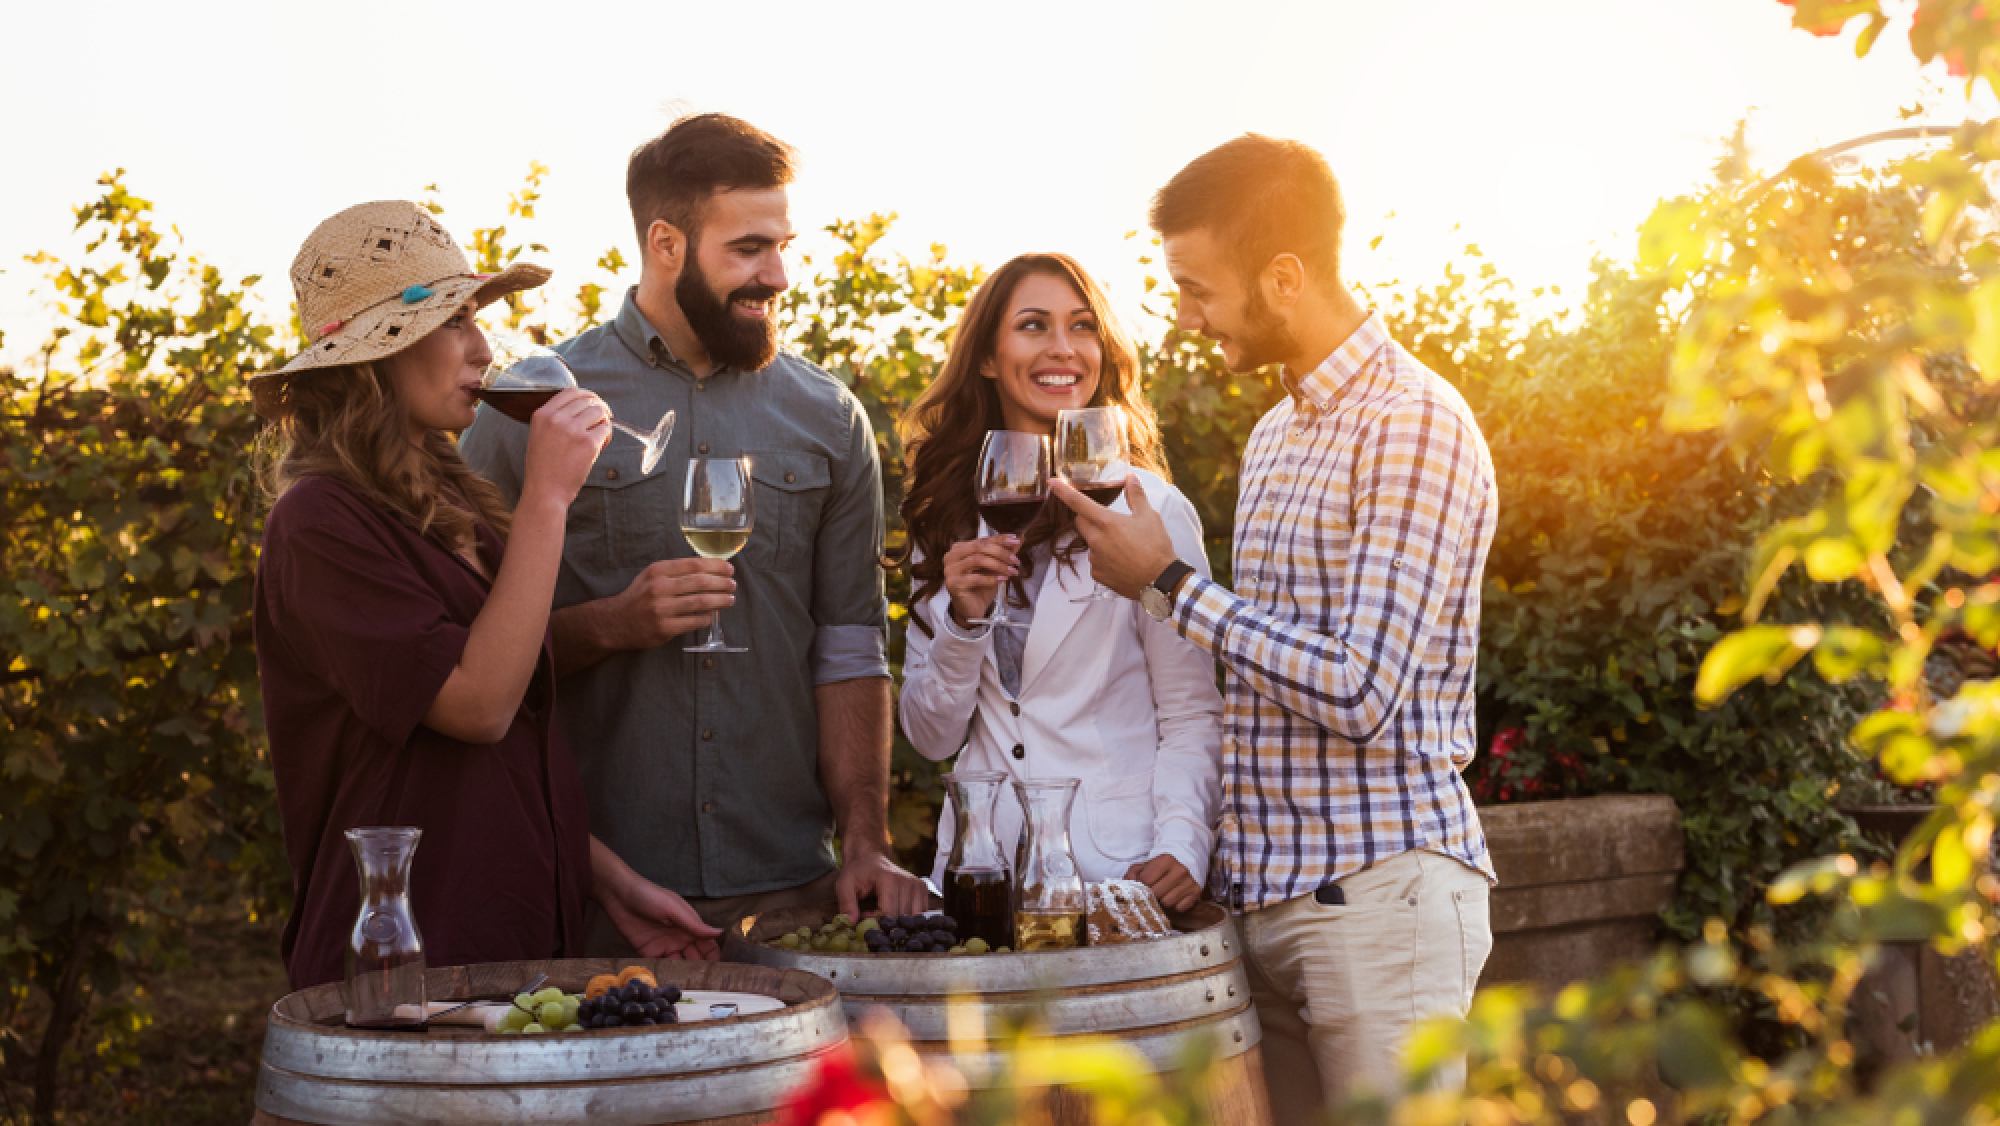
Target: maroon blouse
point(359, 621)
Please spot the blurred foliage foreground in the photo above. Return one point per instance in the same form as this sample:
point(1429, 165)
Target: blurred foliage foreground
point(1770, 438)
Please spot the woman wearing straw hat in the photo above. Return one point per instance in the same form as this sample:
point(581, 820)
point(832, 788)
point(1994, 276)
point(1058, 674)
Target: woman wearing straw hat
point(402, 616)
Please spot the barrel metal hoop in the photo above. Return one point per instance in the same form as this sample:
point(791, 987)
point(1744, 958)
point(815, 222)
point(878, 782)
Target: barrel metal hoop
point(558, 1058)
point(621, 1102)
point(1123, 1012)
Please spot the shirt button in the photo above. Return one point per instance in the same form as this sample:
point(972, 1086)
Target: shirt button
point(708, 662)
point(700, 386)
point(611, 475)
point(1016, 706)
point(708, 735)
point(1020, 751)
point(708, 807)
point(789, 478)
point(701, 449)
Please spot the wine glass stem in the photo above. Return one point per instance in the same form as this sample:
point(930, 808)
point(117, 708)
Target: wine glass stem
point(715, 631)
point(634, 431)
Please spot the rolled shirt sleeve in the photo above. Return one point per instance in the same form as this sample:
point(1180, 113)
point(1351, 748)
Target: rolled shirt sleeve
point(850, 606)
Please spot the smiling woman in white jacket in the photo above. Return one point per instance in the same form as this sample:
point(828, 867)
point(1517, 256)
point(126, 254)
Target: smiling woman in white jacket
point(1091, 689)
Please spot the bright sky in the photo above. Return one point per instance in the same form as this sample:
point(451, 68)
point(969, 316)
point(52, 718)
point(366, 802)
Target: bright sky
point(1542, 130)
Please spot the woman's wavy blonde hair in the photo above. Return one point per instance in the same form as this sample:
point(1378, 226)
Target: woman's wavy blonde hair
point(347, 423)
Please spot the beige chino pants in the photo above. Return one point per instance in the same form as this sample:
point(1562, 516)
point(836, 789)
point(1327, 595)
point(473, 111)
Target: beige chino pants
point(1338, 988)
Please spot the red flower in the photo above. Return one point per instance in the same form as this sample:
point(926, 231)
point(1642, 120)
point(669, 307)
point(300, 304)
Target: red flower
point(836, 1084)
point(1504, 742)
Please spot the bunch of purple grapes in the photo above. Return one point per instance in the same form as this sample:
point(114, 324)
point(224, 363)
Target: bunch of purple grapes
point(933, 933)
point(631, 1005)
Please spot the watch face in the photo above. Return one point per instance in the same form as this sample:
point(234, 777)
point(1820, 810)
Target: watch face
point(1156, 604)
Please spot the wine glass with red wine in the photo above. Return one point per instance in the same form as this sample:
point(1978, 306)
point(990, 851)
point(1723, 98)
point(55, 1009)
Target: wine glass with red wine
point(524, 375)
point(1091, 455)
point(1013, 482)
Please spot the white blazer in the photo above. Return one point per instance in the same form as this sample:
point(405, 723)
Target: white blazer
point(1108, 696)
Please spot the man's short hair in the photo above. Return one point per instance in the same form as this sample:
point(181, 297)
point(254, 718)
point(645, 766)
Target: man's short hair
point(674, 175)
point(1261, 197)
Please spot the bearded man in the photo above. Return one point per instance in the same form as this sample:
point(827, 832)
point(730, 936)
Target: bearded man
point(723, 775)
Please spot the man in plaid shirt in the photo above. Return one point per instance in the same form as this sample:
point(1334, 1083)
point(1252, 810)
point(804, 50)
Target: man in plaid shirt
point(1348, 838)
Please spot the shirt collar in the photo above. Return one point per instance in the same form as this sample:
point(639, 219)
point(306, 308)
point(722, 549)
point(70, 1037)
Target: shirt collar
point(1322, 385)
point(638, 333)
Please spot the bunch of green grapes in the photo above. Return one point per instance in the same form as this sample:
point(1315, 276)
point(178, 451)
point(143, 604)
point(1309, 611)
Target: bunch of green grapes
point(549, 1010)
point(840, 936)
point(931, 933)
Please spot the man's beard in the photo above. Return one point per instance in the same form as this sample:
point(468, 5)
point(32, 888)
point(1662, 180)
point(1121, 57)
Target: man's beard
point(1265, 339)
point(732, 341)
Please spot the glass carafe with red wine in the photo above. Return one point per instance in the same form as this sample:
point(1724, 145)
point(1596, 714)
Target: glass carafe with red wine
point(524, 375)
point(978, 889)
point(1091, 455)
point(1011, 486)
point(385, 954)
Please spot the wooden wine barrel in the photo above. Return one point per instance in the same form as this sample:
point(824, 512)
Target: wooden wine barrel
point(1153, 995)
point(735, 1070)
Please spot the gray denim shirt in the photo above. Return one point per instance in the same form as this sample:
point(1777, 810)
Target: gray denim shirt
point(701, 770)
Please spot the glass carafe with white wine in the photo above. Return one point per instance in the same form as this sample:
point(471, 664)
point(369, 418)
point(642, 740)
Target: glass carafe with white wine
point(718, 513)
point(1048, 893)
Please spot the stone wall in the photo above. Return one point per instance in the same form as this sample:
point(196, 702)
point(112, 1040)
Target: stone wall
point(1581, 884)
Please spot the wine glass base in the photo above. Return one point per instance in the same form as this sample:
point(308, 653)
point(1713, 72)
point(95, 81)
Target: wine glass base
point(714, 648)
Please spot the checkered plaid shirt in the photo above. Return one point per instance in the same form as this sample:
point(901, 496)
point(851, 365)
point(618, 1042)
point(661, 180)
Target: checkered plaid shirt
point(1367, 508)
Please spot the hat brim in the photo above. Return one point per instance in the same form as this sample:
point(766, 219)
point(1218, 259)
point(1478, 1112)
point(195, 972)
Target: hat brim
point(384, 330)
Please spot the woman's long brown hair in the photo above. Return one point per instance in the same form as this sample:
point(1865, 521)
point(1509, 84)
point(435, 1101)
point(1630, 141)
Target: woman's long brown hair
point(943, 430)
point(346, 423)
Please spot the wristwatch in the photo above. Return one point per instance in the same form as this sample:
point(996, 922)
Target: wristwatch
point(1158, 599)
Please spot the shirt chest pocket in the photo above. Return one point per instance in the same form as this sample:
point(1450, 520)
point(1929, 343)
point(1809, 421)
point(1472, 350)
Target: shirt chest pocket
point(622, 519)
point(792, 489)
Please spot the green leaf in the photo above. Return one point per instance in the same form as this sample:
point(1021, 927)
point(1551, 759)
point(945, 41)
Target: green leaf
point(1951, 860)
point(1766, 651)
point(1845, 651)
point(1983, 346)
point(1830, 559)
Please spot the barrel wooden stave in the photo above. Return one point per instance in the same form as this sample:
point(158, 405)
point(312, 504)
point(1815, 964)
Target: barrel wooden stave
point(722, 1071)
point(1086, 1009)
point(1152, 995)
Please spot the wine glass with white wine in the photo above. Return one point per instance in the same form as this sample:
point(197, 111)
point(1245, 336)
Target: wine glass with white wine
point(718, 512)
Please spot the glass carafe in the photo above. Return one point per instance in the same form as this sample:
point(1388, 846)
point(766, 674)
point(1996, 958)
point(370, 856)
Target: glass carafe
point(385, 954)
point(1048, 907)
point(978, 891)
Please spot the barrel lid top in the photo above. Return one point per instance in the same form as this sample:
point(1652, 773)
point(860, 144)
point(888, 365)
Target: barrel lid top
point(1208, 941)
point(322, 1008)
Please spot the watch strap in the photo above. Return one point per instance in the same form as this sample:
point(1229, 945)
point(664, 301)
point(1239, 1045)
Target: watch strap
point(1171, 578)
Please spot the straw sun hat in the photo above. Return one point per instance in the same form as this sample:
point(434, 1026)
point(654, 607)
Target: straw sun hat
point(377, 278)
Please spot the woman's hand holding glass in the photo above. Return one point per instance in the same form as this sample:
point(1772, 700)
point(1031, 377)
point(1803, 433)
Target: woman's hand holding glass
point(564, 438)
point(973, 573)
